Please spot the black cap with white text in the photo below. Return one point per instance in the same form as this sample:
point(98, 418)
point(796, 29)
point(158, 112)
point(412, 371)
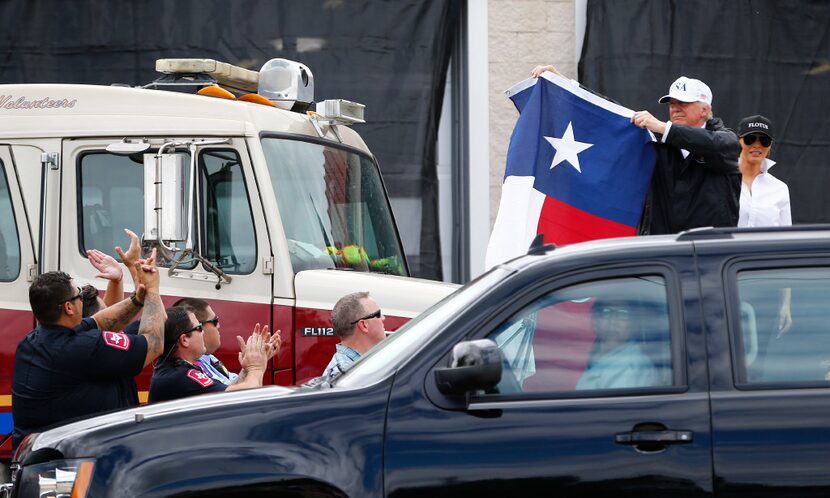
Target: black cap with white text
point(755, 124)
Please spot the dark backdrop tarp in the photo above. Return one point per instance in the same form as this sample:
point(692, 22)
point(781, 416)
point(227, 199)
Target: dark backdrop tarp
point(389, 55)
point(769, 57)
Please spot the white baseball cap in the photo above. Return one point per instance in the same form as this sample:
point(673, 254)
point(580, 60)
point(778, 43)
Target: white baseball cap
point(688, 90)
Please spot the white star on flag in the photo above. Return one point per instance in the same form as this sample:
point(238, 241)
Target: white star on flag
point(567, 149)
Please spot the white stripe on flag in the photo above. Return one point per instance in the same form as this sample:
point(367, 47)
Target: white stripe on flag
point(516, 221)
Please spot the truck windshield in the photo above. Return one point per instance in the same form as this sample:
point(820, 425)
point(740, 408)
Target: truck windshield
point(334, 209)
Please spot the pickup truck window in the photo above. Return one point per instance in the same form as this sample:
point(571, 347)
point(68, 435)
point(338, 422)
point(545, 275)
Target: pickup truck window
point(334, 209)
point(785, 325)
point(609, 334)
point(9, 242)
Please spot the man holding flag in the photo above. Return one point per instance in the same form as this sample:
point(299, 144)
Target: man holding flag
point(578, 170)
point(697, 181)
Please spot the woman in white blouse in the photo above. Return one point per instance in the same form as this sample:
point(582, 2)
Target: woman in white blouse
point(765, 200)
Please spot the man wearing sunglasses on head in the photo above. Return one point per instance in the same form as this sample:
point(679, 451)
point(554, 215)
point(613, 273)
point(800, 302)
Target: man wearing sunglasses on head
point(176, 374)
point(358, 321)
point(209, 363)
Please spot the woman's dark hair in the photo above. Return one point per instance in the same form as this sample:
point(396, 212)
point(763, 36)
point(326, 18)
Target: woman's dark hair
point(89, 295)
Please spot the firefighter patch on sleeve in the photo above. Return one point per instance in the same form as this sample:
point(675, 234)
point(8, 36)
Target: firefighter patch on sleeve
point(117, 340)
point(199, 377)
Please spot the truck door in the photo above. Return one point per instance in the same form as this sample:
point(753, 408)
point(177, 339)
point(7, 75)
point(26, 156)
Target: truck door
point(17, 266)
point(603, 393)
point(770, 367)
point(103, 193)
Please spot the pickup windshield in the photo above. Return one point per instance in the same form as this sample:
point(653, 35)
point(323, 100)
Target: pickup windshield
point(334, 209)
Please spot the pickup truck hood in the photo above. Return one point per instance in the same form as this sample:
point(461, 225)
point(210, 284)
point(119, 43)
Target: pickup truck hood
point(136, 415)
point(398, 296)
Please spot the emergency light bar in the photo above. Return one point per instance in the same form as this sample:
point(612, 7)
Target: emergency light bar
point(235, 77)
point(287, 84)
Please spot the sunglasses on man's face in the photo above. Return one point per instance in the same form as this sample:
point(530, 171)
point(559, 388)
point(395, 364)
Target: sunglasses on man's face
point(213, 321)
point(750, 139)
point(196, 328)
point(374, 314)
point(77, 296)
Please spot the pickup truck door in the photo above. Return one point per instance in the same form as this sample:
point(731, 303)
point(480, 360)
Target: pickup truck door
point(17, 267)
point(770, 389)
point(103, 193)
point(565, 420)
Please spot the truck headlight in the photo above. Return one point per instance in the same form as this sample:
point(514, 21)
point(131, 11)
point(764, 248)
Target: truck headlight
point(56, 479)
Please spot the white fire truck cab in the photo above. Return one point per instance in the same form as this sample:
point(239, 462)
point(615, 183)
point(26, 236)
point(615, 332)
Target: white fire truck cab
point(266, 210)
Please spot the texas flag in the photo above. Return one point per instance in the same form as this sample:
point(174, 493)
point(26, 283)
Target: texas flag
point(577, 169)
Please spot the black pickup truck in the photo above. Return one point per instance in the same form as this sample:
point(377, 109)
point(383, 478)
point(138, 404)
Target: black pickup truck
point(688, 365)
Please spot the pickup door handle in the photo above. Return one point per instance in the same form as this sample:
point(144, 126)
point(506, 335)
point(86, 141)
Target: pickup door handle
point(654, 437)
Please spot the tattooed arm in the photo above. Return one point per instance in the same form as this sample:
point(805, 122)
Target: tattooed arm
point(152, 320)
point(152, 325)
point(132, 255)
point(117, 316)
point(120, 311)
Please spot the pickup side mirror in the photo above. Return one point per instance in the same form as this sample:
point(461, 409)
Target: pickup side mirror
point(475, 365)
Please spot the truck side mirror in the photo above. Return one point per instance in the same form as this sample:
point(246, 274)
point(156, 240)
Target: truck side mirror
point(474, 365)
point(166, 172)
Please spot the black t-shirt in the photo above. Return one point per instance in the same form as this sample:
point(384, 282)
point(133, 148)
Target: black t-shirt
point(62, 374)
point(176, 378)
point(129, 382)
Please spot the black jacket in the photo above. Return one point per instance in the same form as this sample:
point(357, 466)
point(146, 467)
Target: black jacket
point(703, 189)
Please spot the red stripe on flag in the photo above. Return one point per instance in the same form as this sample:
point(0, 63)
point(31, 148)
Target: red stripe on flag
point(565, 224)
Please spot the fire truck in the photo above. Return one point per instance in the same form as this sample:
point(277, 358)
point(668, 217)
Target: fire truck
point(266, 205)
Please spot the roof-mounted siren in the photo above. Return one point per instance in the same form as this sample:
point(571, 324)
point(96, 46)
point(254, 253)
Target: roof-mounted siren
point(288, 84)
